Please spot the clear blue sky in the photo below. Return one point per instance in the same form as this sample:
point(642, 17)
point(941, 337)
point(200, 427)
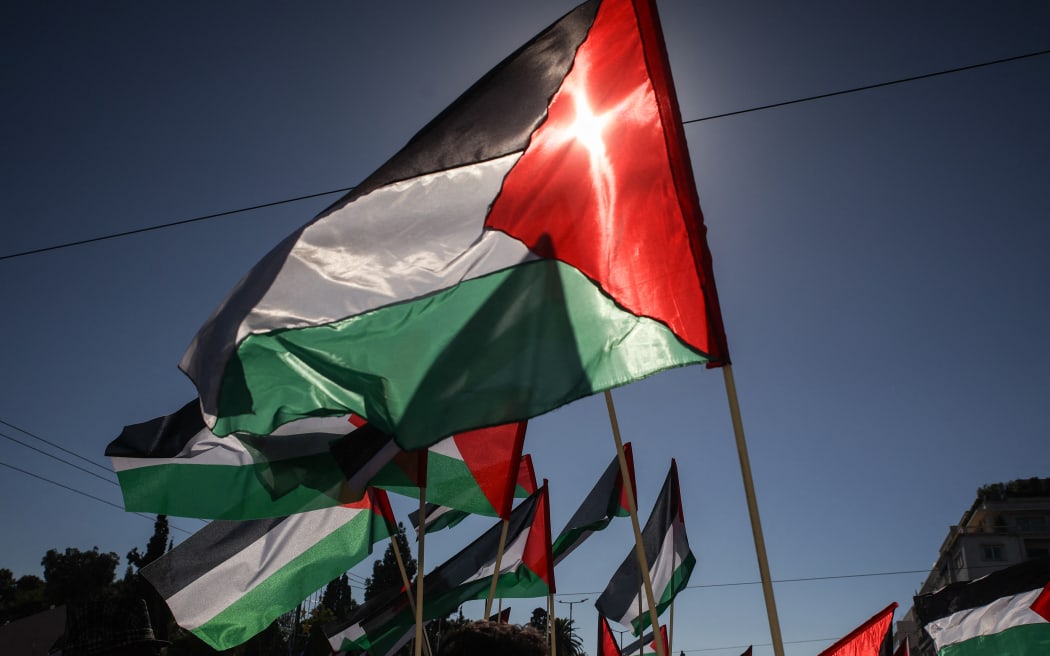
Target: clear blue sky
point(881, 258)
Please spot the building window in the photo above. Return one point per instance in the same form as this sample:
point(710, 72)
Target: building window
point(958, 561)
point(1038, 552)
point(1031, 524)
point(993, 552)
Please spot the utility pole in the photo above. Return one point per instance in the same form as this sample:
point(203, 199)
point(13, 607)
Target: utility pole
point(570, 606)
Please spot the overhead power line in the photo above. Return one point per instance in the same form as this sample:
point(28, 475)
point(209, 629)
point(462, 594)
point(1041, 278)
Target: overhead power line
point(52, 444)
point(84, 494)
point(870, 86)
point(822, 96)
point(54, 457)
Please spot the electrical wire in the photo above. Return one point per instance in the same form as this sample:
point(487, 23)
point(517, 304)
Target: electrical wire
point(84, 494)
point(54, 457)
point(822, 96)
point(52, 444)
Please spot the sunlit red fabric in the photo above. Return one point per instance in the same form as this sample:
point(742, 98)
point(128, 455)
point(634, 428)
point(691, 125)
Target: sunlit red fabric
point(606, 643)
point(605, 184)
point(537, 553)
point(493, 455)
point(867, 639)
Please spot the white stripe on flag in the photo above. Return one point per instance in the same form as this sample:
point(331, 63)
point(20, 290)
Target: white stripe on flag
point(990, 619)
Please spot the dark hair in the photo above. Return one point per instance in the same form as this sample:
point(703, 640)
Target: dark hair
point(482, 638)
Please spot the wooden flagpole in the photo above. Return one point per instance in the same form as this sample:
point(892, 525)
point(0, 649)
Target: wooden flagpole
point(419, 573)
point(552, 630)
point(752, 509)
point(639, 548)
point(408, 589)
point(495, 572)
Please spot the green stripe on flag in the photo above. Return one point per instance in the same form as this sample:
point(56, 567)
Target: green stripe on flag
point(402, 366)
point(1024, 640)
point(283, 590)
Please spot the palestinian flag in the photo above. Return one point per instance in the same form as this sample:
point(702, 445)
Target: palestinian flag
point(501, 616)
point(607, 499)
point(174, 465)
point(646, 645)
point(873, 638)
point(606, 643)
point(1006, 612)
point(539, 241)
point(437, 517)
point(525, 571)
point(230, 580)
point(475, 471)
point(667, 553)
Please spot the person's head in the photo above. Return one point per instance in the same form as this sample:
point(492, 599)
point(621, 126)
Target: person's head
point(482, 637)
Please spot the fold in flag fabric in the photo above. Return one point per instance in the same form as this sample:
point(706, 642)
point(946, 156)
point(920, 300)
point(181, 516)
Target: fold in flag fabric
point(606, 643)
point(1005, 612)
point(174, 465)
point(501, 617)
point(526, 570)
point(669, 558)
point(437, 517)
point(230, 580)
point(607, 499)
point(873, 638)
point(539, 241)
point(646, 645)
point(474, 471)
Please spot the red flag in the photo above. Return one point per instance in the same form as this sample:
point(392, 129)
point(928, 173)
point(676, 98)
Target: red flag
point(501, 617)
point(903, 649)
point(1041, 606)
point(868, 639)
point(747, 652)
point(606, 643)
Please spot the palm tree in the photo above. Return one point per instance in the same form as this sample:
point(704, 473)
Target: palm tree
point(565, 638)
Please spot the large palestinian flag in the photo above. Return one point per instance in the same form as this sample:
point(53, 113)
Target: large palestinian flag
point(667, 553)
point(231, 579)
point(525, 571)
point(1005, 612)
point(539, 241)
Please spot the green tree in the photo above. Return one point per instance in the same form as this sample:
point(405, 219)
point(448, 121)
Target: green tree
point(565, 638)
point(155, 548)
point(76, 575)
point(338, 597)
point(385, 572)
point(20, 597)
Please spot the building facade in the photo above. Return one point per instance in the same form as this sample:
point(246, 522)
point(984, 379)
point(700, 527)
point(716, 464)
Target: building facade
point(1007, 524)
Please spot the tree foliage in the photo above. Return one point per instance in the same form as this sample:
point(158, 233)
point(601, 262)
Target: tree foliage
point(75, 575)
point(385, 572)
point(156, 546)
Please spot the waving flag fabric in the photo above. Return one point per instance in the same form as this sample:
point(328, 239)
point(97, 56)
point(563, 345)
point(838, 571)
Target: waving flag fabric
point(873, 638)
point(669, 558)
point(525, 571)
point(474, 471)
point(646, 645)
point(437, 517)
point(230, 580)
point(607, 499)
point(606, 643)
point(174, 465)
point(1005, 612)
point(539, 241)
